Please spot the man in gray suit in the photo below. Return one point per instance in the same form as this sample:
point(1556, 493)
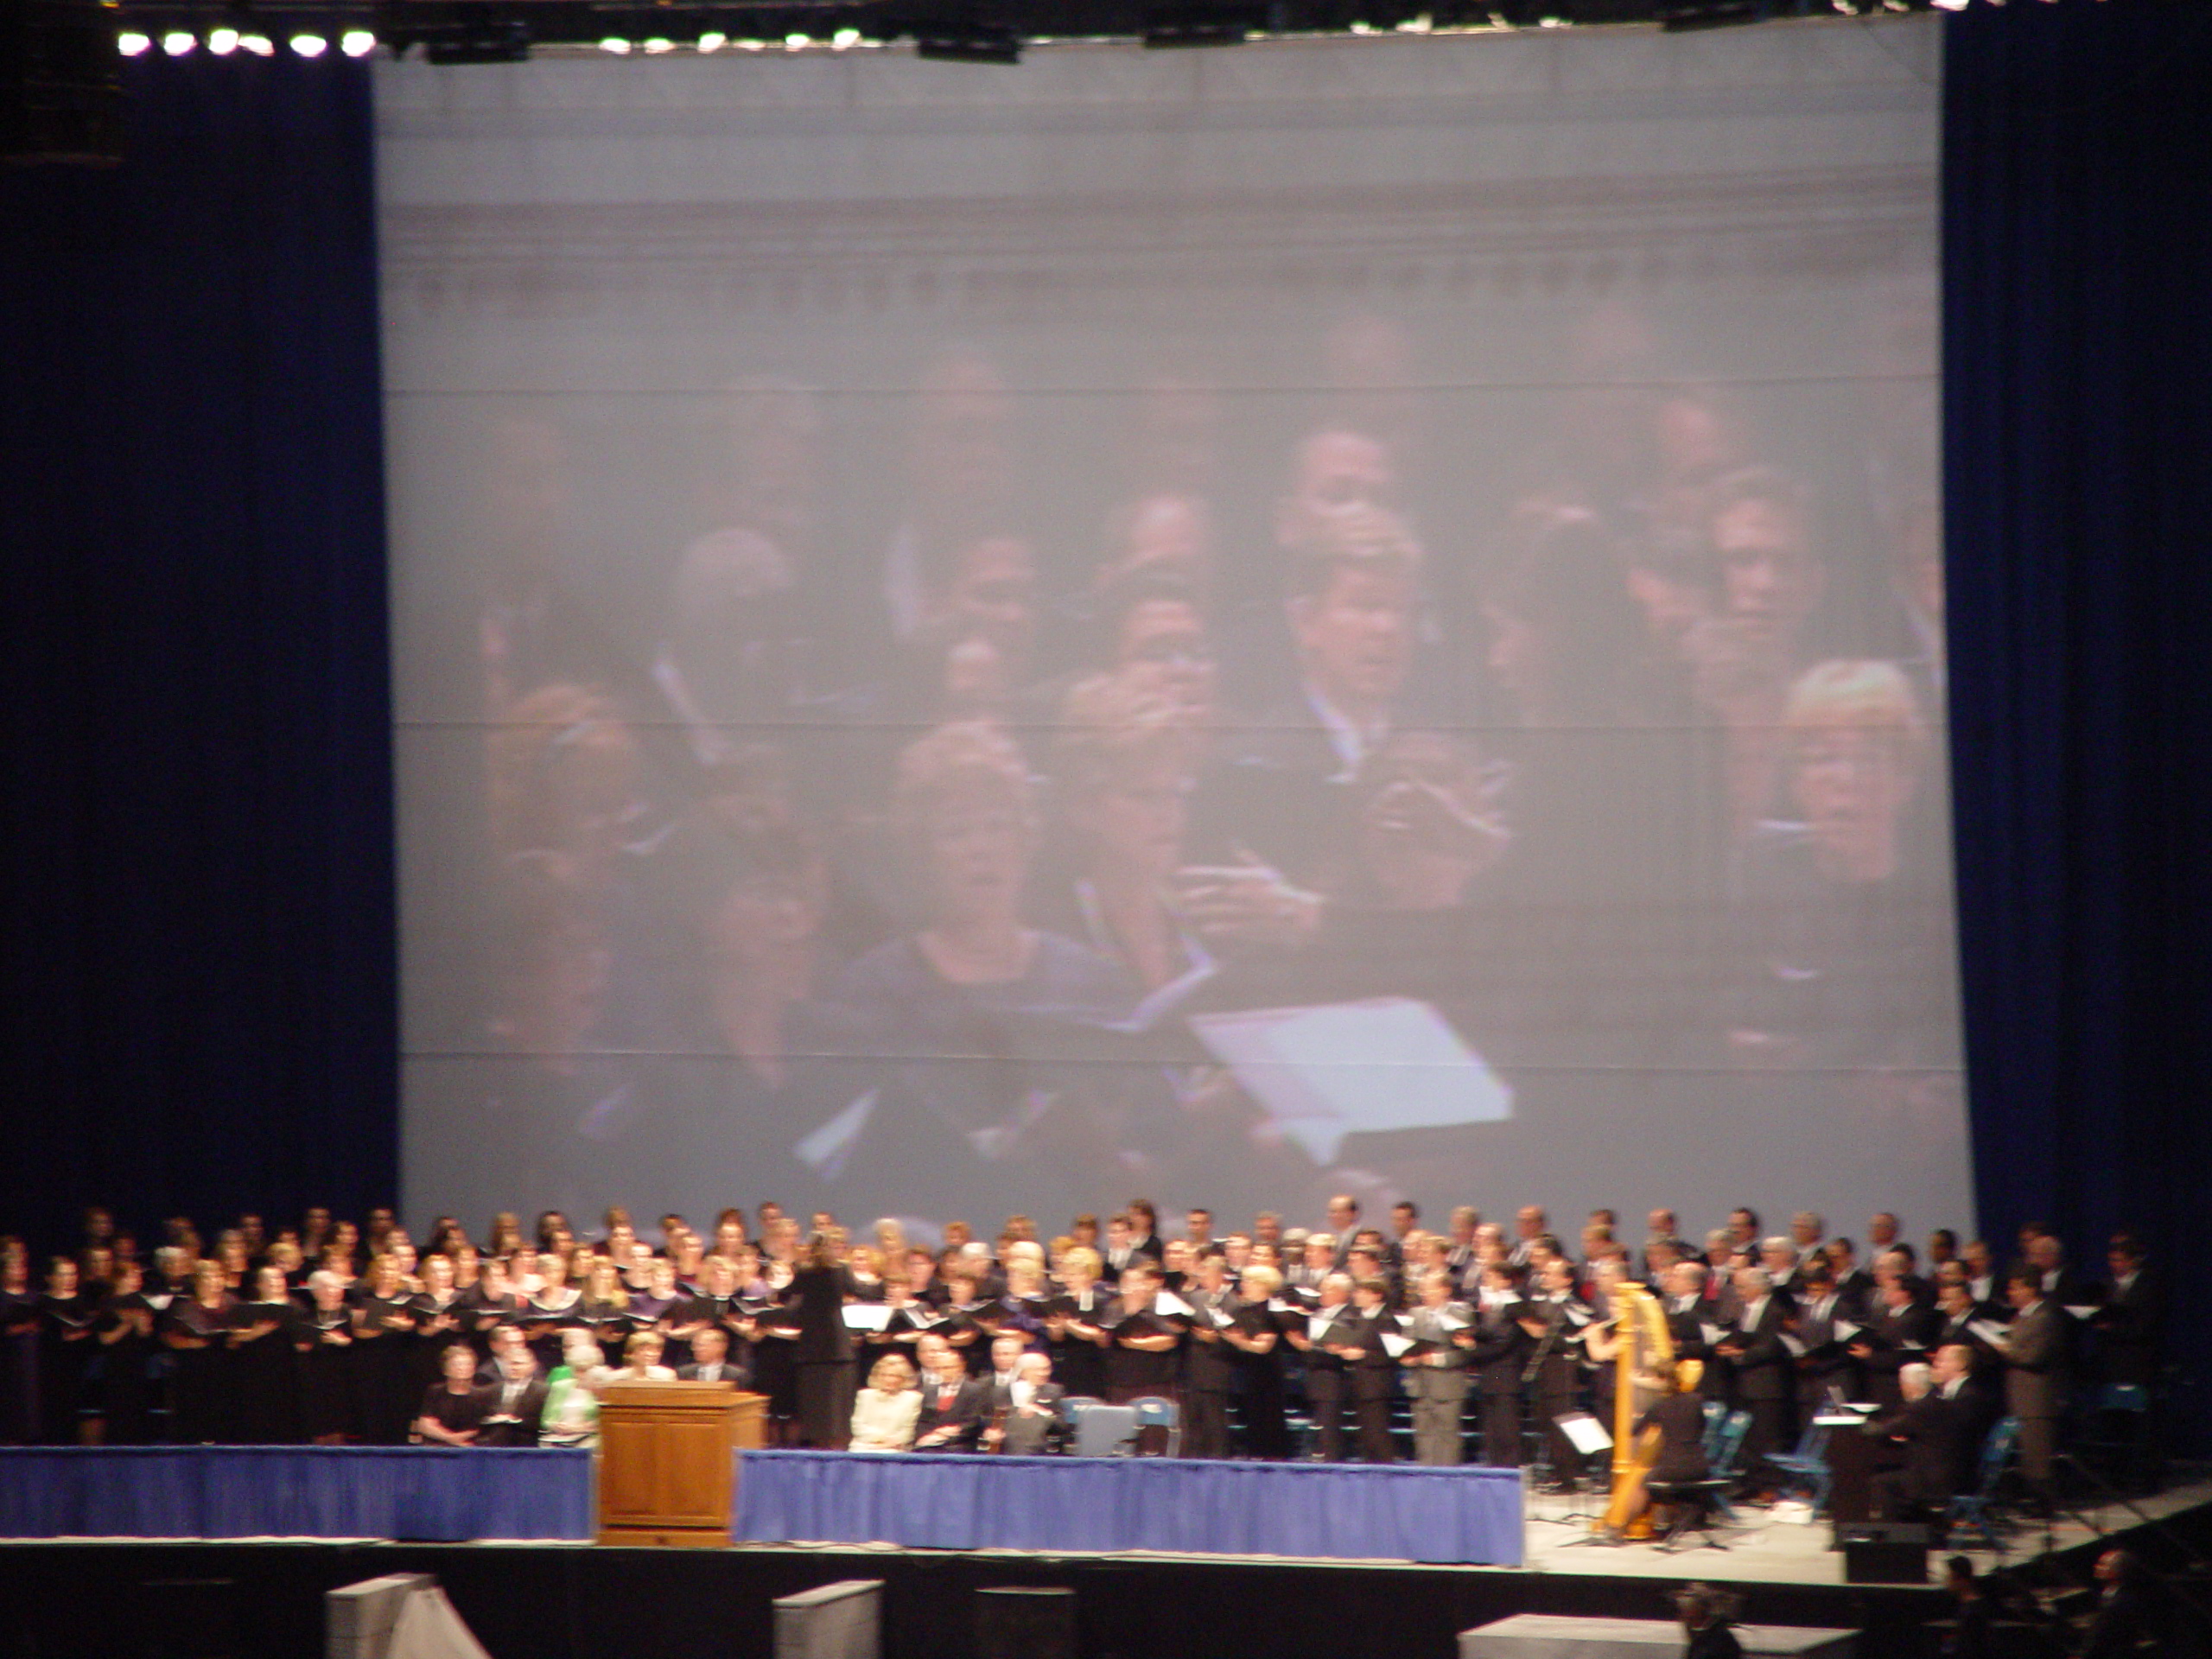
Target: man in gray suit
point(1032, 1424)
point(1436, 1370)
point(2034, 1352)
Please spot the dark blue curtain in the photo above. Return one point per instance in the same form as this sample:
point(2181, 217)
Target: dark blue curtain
point(2078, 379)
point(195, 709)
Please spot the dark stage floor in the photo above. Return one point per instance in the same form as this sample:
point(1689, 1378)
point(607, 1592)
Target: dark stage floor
point(264, 1600)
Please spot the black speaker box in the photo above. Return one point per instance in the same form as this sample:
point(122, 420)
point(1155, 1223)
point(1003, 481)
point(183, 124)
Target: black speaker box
point(1883, 1552)
point(1025, 1623)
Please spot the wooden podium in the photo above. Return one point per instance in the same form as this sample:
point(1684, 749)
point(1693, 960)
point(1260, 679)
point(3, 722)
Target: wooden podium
point(666, 1471)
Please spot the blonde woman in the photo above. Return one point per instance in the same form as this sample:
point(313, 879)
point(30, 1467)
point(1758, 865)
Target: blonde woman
point(641, 1360)
point(885, 1412)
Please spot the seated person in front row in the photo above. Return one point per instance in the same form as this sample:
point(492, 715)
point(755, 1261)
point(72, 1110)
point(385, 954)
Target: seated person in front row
point(452, 1410)
point(952, 1403)
point(515, 1405)
point(641, 1360)
point(1030, 1424)
point(885, 1412)
point(710, 1361)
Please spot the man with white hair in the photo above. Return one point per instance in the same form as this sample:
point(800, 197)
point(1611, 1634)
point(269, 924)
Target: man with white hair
point(1927, 1432)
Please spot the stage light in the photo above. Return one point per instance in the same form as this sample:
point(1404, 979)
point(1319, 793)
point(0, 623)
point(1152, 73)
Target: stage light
point(222, 41)
point(1952, 5)
point(967, 45)
point(615, 44)
point(260, 45)
point(796, 42)
point(713, 41)
point(309, 45)
point(177, 42)
point(657, 45)
point(132, 44)
point(845, 39)
point(357, 42)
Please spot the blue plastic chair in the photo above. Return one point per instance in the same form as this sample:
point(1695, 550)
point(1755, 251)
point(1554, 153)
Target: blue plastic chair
point(1153, 1412)
point(1715, 1416)
point(1103, 1431)
point(1969, 1512)
point(1808, 1466)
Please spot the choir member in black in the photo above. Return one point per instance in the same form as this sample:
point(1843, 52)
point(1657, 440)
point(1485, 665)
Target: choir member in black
point(1371, 1370)
point(66, 1349)
point(1826, 1364)
point(969, 1321)
point(552, 1311)
point(438, 1315)
point(381, 1328)
point(772, 1329)
point(1074, 1338)
point(1436, 1370)
point(1209, 1367)
point(1898, 1330)
point(656, 1305)
point(1498, 1348)
point(1255, 1334)
point(604, 1310)
point(264, 1379)
point(1331, 1332)
point(324, 1342)
point(825, 1355)
point(454, 1408)
point(2129, 1321)
point(124, 1332)
point(1761, 1372)
point(1559, 1364)
point(493, 1303)
point(1145, 1359)
point(18, 1346)
point(196, 1331)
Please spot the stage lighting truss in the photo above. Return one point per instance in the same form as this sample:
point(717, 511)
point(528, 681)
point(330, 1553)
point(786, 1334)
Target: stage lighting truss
point(972, 31)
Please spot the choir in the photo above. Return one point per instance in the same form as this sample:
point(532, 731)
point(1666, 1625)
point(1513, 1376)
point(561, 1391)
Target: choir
point(1271, 1342)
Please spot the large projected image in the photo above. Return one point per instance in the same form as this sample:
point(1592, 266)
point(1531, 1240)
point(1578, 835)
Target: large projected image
point(1360, 616)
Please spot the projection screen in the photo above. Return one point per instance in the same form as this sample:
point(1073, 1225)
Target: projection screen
point(1225, 625)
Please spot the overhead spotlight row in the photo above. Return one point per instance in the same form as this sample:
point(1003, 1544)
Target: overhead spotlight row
point(354, 44)
point(714, 41)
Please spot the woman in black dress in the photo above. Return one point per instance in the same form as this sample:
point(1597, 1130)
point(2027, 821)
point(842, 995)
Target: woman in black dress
point(65, 1351)
point(437, 1312)
point(824, 1349)
point(196, 1330)
point(1257, 1337)
point(124, 1331)
point(1676, 1422)
point(453, 1409)
point(553, 1310)
point(382, 1327)
point(323, 1343)
point(18, 1346)
point(1073, 1335)
point(263, 1377)
point(604, 1312)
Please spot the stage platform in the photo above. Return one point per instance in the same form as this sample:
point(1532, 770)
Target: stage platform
point(262, 1599)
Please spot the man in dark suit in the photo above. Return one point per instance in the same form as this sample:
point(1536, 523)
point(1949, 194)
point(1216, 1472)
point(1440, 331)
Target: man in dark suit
point(1333, 1336)
point(1928, 1427)
point(710, 1361)
point(1897, 1333)
point(1499, 1347)
point(1826, 1363)
point(1372, 1372)
point(2125, 1624)
point(1765, 1378)
point(2034, 1355)
point(515, 1405)
point(952, 1403)
point(1029, 1424)
point(1209, 1367)
point(2128, 1322)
